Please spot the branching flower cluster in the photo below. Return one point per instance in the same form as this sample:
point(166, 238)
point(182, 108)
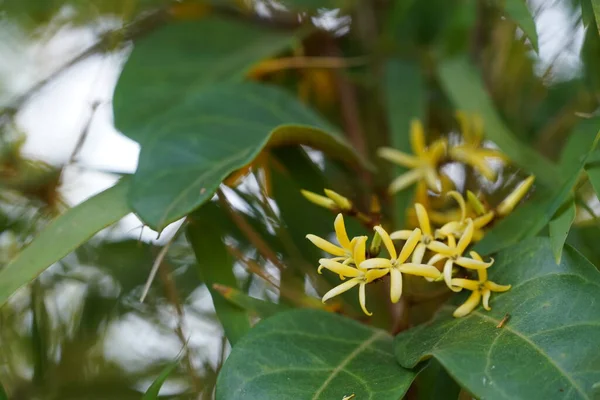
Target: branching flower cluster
point(438, 247)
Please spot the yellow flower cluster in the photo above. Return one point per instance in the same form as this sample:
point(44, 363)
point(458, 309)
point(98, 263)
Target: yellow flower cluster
point(437, 249)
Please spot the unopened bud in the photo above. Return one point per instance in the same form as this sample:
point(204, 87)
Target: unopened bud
point(375, 247)
point(475, 203)
point(511, 201)
point(343, 203)
point(319, 200)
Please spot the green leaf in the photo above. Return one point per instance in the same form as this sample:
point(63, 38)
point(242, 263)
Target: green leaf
point(206, 234)
point(596, 8)
point(63, 235)
point(517, 11)
point(213, 133)
point(3, 395)
point(593, 173)
point(464, 86)
point(548, 348)
point(310, 354)
point(434, 383)
point(559, 228)
point(153, 391)
point(179, 59)
point(405, 95)
point(258, 307)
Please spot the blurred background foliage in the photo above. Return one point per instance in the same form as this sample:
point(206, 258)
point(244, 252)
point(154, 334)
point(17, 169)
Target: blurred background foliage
point(79, 331)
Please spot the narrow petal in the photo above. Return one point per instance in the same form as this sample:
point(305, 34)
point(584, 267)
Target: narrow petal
point(494, 287)
point(441, 248)
point(427, 271)
point(451, 228)
point(375, 263)
point(342, 202)
point(400, 235)
point(423, 219)
point(395, 285)
point(405, 180)
point(448, 276)
point(436, 258)
point(398, 157)
point(362, 298)
point(340, 232)
point(418, 254)
point(339, 289)
point(493, 153)
point(373, 274)
point(475, 203)
point(326, 246)
point(437, 150)
point(339, 268)
point(482, 221)
point(468, 155)
point(465, 283)
point(410, 245)
point(486, 299)
point(319, 200)
point(466, 237)
point(510, 202)
point(360, 247)
point(417, 137)
point(432, 179)
point(482, 275)
point(472, 264)
point(387, 241)
point(468, 305)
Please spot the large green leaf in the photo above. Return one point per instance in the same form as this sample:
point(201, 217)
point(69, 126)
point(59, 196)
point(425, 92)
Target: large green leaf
point(206, 234)
point(467, 91)
point(179, 59)
point(309, 354)
point(517, 11)
point(596, 8)
point(548, 349)
point(213, 133)
point(64, 235)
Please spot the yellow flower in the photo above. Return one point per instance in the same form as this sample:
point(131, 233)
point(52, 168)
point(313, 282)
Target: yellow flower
point(511, 201)
point(333, 201)
point(396, 265)
point(457, 228)
point(345, 251)
point(423, 164)
point(481, 288)
point(359, 276)
point(453, 253)
point(426, 240)
point(470, 151)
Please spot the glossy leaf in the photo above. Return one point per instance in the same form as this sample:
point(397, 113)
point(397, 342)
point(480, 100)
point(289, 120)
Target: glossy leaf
point(464, 86)
point(211, 134)
point(517, 11)
point(206, 234)
point(309, 354)
point(548, 348)
point(153, 391)
point(63, 235)
point(179, 59)
point(593, 173)
point(596, 8)
point(559, 228)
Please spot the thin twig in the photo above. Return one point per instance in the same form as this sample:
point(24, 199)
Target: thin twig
point(278, 64)
point(253, 267)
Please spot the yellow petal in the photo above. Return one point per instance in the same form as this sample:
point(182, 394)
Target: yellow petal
point(482, 275)
point(400, 235)
point(441, 248)
point(437, 151)
point(427, 271)
point(472, 264)
point(465, 283)
point(461, 203)
point(493, 153)
point(375, 263)
point(339, 268)
point(482, 221)
point(510, 202)
point(395, 285)
point(418, 254)
point(475, 203)
point(360, 248)
point(468, 155)
point(436, 258)
point(405, 180)
point(423, 219)
point(432, 179)
point(340, 232)
point(319, 200)
point(398, 157)
point(468, 305)
point(494, 287)
point(466, 237)
point(344, 287)
point(326, 246)
point(387, 241)
point(451, 228)
point(464, 124)
point(362, 298)
point(342, 202)
point(417, 137)
point(373, 274)
point(410, 245)
point(486, 299)
point(448, 276)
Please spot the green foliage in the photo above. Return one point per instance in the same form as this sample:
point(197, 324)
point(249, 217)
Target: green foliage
point(559, 228)
point(517, 10)
point(152, 393)
point(546, 347)
point(312, 354)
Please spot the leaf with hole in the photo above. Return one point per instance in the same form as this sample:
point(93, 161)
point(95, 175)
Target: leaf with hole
point(548, 348)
